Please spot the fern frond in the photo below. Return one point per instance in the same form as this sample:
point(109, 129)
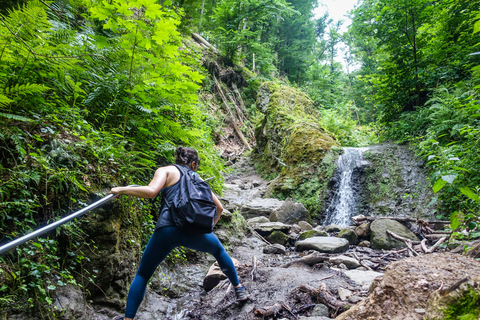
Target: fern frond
point(4, 100)
point(24, 89)
point(15, 117)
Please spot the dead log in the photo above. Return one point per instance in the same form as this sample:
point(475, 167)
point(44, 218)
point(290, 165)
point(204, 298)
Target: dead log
point(268, 311)
point(232, 118)
point(310, 259)
point(201, 40)
point(358, 220)
point(324, 296)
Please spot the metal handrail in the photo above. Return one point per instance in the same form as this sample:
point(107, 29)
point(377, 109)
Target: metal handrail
point(55, 224)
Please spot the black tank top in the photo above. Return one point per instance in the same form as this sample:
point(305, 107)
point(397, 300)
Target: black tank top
point(165, 216)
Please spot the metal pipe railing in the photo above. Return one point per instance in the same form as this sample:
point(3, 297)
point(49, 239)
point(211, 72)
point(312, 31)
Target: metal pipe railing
point(54, 225)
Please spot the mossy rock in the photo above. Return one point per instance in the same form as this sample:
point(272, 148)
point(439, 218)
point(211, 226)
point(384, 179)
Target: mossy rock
point(350, 235)
point(294, 146)
point(312, 233)
point(278, 237)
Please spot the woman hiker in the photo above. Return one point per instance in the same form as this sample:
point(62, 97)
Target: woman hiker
point(167, 236)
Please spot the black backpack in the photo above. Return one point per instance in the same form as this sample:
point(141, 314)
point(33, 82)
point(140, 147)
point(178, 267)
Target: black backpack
point(193, 209)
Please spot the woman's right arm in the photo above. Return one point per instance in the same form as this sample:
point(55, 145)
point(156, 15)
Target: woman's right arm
point(150, 191)
point(219, 207)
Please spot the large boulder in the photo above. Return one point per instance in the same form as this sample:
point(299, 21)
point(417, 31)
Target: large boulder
point(264, 229)
point(260, 207)
point(290, 212)
point(278, 237)
point(381, 240)
point(411, 287)
point(323, 244)
point(293, 145)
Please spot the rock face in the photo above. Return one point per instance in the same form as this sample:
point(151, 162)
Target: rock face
point(380, 239)
point(289, 212)
point(394, 183)
point(293, 146)
point(409, 286)
point(323, 244)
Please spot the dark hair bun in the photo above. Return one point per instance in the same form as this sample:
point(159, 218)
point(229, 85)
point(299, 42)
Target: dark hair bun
point(185, 156)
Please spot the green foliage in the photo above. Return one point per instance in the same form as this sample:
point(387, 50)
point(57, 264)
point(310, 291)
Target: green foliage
point(97, 96)
point(466, 308)
point(446, 134)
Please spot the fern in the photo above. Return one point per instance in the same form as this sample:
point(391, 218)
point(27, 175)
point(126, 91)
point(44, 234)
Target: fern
point(15, 117)
point(4, 100)
point(25, 89)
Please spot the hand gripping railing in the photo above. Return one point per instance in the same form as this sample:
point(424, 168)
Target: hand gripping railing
point(54, 225)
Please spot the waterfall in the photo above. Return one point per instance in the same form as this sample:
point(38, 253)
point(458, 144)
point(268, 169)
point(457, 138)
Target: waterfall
point(343, 204)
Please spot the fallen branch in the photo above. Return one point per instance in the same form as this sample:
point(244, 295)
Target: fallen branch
point(324, 296)
point(325, 278)
point(436, 245)
point(396, 236)
point(361, 262)
point(268, 311)
point(254, 268)
point(310, 259)
point(393, 252)
point(453, 287)
point(408, 242)
point(256, 234)
point(286, 307)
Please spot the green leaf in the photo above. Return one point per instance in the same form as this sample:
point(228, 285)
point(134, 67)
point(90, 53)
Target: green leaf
point(469, 193)
point(455, 220)
point(438, 185)
point(449, 178)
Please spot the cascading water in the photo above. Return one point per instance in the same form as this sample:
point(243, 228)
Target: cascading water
point(343, 205)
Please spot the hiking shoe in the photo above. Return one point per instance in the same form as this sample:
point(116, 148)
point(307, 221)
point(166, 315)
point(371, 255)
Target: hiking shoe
point(119, 318)
point(241, 294)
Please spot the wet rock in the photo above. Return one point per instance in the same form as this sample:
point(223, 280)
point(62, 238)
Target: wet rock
point(348, 234)
point(323, 244)
point(289, 212)
point(278, 237)
point(274, 249)
point(344, 294)
point(350, 263)
point(332, 228)
point(380, 239)
point(304, 226)
point(320, 310)
point(215, 275)
point(365, 244)
point(355, 299)
point(260, 207)
point(312, 233)
point(362, 278)
point(71, 303)
point(411, 286)
point(265, 229)
point(363, 230)
point(256, 220)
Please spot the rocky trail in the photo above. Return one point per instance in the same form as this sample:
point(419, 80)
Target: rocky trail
point(293, 270)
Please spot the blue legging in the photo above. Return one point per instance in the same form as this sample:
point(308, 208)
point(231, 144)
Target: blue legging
point(163, 241)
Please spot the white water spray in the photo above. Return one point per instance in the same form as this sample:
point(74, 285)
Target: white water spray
point(343, 205)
